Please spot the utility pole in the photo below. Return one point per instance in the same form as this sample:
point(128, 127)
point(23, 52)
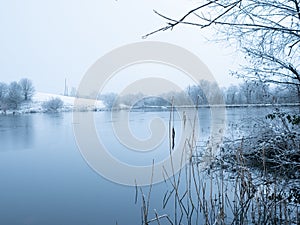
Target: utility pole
point(66, 88)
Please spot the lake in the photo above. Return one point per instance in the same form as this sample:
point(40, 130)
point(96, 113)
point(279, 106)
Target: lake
point(45, 179)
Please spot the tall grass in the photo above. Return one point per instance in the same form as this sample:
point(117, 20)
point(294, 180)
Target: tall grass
point(222, 192)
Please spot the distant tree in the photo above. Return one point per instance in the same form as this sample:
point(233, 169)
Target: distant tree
point(130, 99)
point(108, 99)
point(180, 98)
point(73, 92)
point(284, 94)
point(255, 92)
point(3, 95)
point(27, 88)
point(247, 89)
point(14, 95)
point(196, 94)
point(232, 95)
point(3, 90)
point(214, 94)
point(192, 92)
point(53, 105)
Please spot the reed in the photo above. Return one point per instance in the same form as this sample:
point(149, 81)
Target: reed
point(227, 191)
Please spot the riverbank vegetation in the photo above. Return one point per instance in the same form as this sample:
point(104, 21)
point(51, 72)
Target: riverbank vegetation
point(14, 94)
point(243, 94)
point(255, 178)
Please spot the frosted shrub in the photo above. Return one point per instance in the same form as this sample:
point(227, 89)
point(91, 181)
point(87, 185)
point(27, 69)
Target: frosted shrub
point(53, 105)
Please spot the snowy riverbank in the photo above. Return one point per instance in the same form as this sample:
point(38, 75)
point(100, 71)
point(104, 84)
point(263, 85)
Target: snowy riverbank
point(35, 105)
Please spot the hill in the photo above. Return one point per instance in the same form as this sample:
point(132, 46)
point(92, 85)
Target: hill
point(35, 105)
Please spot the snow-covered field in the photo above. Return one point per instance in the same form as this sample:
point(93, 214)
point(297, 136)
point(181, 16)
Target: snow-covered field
point(69, 103)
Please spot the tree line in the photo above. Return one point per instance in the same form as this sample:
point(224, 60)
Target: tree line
point(253, 92)
point(12, 95)
point(208, 93)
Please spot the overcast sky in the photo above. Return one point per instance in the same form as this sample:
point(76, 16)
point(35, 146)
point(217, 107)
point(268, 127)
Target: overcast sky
point(48, 41)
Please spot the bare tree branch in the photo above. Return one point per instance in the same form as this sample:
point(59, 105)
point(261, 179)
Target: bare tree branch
point(267, 31)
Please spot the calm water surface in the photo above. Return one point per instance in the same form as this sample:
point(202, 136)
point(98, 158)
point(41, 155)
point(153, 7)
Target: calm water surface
point(45, 180)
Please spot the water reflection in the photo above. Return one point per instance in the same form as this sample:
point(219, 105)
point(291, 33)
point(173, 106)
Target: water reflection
point(57, 117)
point(52, 184)
point(17, 132)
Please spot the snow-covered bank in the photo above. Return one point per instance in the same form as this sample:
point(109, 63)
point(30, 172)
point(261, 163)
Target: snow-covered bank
point(36, 105)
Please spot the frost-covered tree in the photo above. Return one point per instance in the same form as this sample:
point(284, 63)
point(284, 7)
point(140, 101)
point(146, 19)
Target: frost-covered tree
point(266, 31)
point(3, 94)
point(255, 92)
point(232, 95)
point(27, 88)
point(108, 99)
point(73, 92)
point(14, 95)
point(193, 92)
point(206, 92)
point(196, 94)
point(3, 91)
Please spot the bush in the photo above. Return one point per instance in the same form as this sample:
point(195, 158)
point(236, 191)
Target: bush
point(53, 105)
point(273, 144)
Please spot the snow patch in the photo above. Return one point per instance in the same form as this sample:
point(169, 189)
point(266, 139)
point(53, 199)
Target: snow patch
point(35, 105)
